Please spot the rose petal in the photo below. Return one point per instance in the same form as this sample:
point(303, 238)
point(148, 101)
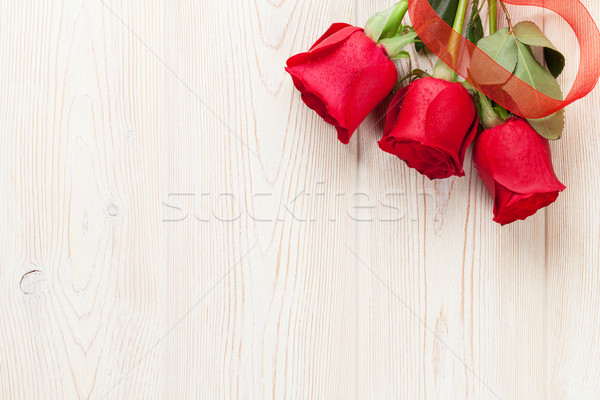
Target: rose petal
point(510, 207)
point(343, 77)
point(450, 122)
point(334, 28)
point(369, 89)
point(517, 158)
point(335, 36)
point(429, 161)
point(429, 126)
point(394, 109)
point(515, 165)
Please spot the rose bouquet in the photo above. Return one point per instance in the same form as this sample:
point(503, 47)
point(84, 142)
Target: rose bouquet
point(507, 106)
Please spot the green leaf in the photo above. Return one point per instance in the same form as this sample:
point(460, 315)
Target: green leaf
point(530, 34)
point(550, 127)
point(475, 26)
point(502, 48)
point(446, 9)
point(385, 24)
point(532, 73)
point(395, 46)
point(401, 55)
point(501, 111)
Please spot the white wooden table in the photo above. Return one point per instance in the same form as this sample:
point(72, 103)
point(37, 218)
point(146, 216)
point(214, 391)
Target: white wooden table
point(176, 224)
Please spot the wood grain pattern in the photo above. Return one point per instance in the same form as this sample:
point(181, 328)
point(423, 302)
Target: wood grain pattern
point(80, 133)
point(573, 244)
point(178, 225)
point(282, 323)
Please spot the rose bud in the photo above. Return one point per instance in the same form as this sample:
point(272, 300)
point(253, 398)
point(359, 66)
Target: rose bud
point(515, 164)
point(343, 77)
point(430, 124)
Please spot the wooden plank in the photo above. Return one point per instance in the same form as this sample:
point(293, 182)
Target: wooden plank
point(573, 241)
point(177, 224)
point(451, 304)
point(80, 270)
point(280, 322)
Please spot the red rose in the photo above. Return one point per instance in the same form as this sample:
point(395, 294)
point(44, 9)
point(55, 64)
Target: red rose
point(343, 77)
point(430, 124)
point(515, 164)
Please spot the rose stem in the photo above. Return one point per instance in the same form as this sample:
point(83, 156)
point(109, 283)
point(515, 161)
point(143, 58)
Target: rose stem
point(493, 13)
point(461, 12)
point(508, 19)
point(489, 117)
point(459, 22)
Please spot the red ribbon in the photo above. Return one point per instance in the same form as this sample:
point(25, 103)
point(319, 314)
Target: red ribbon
point(493, 80)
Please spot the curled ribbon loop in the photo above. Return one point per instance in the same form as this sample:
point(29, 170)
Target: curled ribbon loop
point(490, 78)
